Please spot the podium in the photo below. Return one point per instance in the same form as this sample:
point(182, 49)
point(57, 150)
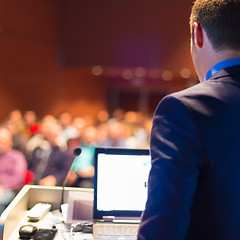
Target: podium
point(14, 215)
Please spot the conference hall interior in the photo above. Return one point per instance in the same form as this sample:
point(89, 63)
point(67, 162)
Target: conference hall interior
point(85, 73)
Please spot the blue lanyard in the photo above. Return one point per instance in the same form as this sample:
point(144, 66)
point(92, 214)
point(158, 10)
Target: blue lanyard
point(222, 65)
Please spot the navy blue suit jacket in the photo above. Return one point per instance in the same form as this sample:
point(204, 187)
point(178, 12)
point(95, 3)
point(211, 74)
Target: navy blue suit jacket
point(194, 183)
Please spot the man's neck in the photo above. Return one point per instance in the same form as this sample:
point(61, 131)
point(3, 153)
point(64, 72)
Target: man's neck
point(227, 54)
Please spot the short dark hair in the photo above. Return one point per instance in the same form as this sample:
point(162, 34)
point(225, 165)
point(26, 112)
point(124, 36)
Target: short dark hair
point(221, 21)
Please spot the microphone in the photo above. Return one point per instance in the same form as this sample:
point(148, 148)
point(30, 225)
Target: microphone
point(77, 151)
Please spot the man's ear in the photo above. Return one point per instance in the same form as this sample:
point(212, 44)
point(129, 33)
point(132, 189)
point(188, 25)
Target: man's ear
point(198, 34)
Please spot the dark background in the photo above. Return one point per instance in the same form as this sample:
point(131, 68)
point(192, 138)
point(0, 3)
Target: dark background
point(49, 47)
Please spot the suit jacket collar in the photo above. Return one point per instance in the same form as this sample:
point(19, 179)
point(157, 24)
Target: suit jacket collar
point(222, 65)
point(230, 71)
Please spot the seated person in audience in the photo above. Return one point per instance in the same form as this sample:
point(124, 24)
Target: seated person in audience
point(32, 126)
point(80, 124)
point(102, 133)
point(83, 170)
point(13, 167)
point(39, 139)
point(18, 138)
point(137, 135)
point(16, 117)
point(68, 129)
point(49, 162)
point(116, 135)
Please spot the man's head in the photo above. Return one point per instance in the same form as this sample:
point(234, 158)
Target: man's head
point(5, 140)
point(214, 26)
point(220, 19)
point(51, 132)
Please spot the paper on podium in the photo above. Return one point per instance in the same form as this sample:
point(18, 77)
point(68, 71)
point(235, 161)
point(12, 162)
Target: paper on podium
point(80, 207)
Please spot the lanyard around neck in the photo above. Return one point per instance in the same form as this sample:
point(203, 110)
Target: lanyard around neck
point(222, 65)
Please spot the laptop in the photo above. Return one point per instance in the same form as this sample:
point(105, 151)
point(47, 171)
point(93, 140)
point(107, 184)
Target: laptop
point(120, 191)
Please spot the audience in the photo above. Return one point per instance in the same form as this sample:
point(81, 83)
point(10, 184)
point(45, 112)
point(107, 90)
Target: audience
point(116, 135)
point(39, 139)
point(49, 162)
point(69, 131)
point(83, 170)
point(32, 125)
point(19, 140)
point(45, 146)
point(13, 167)
point(16, 117)
point(48, 143)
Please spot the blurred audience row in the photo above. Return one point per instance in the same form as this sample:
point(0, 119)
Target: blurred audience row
point(40, 151)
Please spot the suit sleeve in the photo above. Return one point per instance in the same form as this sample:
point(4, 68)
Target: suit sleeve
point(176, 158)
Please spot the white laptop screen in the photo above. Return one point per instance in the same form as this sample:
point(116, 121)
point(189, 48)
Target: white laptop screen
point(120, 185)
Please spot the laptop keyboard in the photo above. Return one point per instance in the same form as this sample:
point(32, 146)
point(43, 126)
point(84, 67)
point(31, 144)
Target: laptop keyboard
point(128, 231)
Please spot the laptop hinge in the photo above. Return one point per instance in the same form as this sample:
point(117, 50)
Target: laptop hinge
point(126, 220)
point(108, 218)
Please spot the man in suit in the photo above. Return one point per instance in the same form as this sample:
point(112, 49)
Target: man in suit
point(194, 183)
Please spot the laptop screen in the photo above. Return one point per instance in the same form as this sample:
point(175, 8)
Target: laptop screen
point(120, 183)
